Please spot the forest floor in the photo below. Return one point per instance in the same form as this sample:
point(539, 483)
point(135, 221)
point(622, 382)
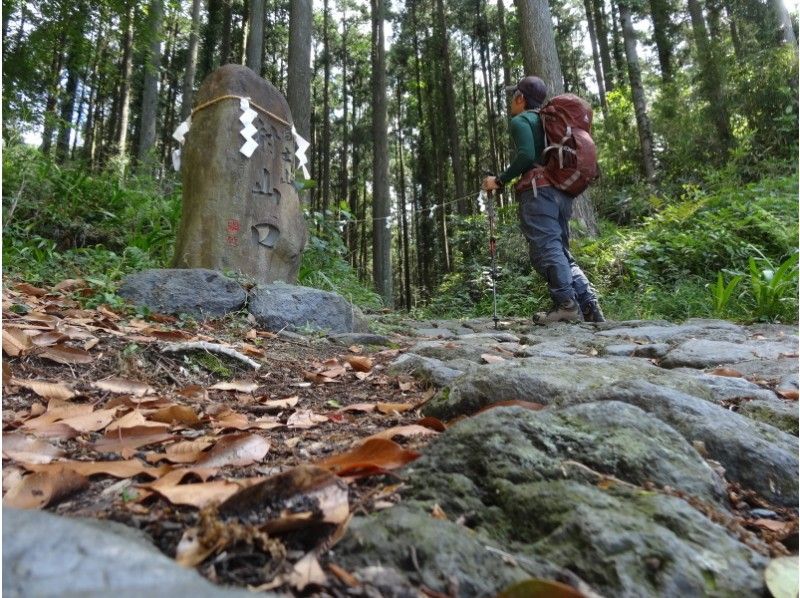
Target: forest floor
point(112, 416)
point(94, 387)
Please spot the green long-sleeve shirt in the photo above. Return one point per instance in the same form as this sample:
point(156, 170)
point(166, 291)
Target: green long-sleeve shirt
point(528, 134)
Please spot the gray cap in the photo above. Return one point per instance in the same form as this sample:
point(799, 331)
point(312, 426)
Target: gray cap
point(531, 87)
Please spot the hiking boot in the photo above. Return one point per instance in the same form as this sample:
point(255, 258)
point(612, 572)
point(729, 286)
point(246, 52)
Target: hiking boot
point(565, 312)
point(593, 313)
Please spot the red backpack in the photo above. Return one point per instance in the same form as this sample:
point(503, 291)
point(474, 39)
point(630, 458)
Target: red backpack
point(570, 155)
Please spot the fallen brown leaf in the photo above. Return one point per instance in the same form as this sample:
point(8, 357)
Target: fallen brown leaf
point(432, 423)
point(292, 499)
point(29, 289)
point(47, 339)
point(175, 413)
point(375, 453)
point(15, 341)
point(237, 385)
point(117, 469)
point(303, 419)
point(333, 372)
point(408, 431)
point(26, 448)
point(360, 363)
point(203, 494)
point(187, 451)
point(343, 575)
point(176, 476)
point(48, 390)
point(127, 440)
point(790, 395)
point(129, 420)
point(66, 354)
point(361, 407)
point(39, 490)
point(236, 449)
point(387, 408)
point(281, 403)
point(438, 513)
point(123, 386)
point(194, 392)
point(91, 422)
point(70, 284)
point(306, 572)
point(168, 335)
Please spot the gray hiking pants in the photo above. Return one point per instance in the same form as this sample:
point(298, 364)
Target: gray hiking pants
point(544, 221)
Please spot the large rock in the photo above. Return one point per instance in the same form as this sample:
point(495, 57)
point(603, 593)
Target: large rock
point(45, 555)
point(278, 306)
point(241, 214)
point(198, 292)
point(537, 483)
point(757, 455)
point(703, 353)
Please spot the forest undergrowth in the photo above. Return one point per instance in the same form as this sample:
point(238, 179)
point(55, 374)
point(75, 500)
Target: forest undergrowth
point(713, 248)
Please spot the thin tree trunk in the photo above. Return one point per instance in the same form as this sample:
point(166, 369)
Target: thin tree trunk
point(147, 132)
point(711, 81)
point(191, 62)
point(402, 197)
point(71, 88)
point(637, 91)
point(451, 116)
point(539, 43)
point(298, 86)
point(602, 41)
point(381, 234)
point(598, 67)
point(618, 45)
point(210, 37)
point(501, 19)
point(125, 87)
point(255, 36)
point(736, 40)
point(51, 103)
point(345, 148)
point(225, 42)
point(326, 122)
point(660, 14)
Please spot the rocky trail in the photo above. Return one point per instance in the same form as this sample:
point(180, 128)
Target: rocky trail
point(438, 458)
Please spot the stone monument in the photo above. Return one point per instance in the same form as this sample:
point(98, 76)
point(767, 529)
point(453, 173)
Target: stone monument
point(240, 213)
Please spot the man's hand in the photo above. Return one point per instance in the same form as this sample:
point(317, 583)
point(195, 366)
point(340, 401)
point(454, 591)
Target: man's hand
point(490, 183)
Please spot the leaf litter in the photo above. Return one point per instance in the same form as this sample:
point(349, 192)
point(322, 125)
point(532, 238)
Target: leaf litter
point(268, 464)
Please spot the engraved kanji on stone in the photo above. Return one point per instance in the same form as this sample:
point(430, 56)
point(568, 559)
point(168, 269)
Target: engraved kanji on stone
point(263, 184)
point(232, 240)
point(233, 225)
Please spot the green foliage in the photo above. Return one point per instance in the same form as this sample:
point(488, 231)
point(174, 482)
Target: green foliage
point(61, 222)
point(723, 292)
point(774, 289)
point(324, 264)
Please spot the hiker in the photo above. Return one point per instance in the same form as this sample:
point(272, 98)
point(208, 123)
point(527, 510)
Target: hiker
point(544, 212)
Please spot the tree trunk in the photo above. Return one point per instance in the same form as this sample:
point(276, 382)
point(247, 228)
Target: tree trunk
point(637, 91)
point(381, 234)
point(298, 86)
point(450, 114)
point(406, 253)
point(711, 82)
point(598, 7)
point(255, 36)
point(598, 68)
point(210, 37)
point(51, 104)
point(617, 45)
point(125, 85)
point(225, 45)
point(326, 108)
point(191, 62)
point(345, 148)
point(501, 19)
point(539, 43)
point(68, 102)
point(660, 14)
point(147, 131)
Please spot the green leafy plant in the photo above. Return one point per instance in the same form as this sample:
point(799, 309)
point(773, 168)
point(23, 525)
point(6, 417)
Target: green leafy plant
point(772, 287)
point(722, 292)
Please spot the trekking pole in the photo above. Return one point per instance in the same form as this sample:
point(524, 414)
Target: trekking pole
point(492, 253)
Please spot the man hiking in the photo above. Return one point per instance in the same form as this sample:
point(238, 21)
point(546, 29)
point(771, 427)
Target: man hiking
point(544, 212)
